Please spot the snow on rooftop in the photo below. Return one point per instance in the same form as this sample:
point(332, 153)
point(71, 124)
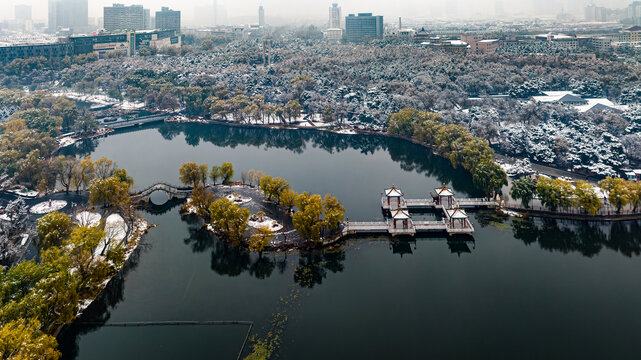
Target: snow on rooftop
point(393, 192)
point(600, 104)
point(444, 192)
point(552, 96)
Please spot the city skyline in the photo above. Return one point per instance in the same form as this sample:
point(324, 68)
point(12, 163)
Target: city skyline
point(316, 11)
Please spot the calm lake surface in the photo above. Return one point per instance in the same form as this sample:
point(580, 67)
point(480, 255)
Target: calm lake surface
point(521, 289)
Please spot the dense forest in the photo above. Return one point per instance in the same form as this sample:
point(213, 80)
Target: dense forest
point(361, 85)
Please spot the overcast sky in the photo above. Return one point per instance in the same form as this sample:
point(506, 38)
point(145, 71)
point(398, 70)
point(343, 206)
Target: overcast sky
point(317, 10)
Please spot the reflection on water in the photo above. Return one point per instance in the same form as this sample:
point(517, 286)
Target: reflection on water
point(412, 157)
point(583, 237)
point(482, 286)
point(99, 312)
point(313, 266)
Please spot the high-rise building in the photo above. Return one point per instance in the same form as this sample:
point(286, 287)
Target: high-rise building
point(168, 19)
point(596, 13)
point(121, 17)
point(261, 16)
point(335, 17)
point(22, 12)
point(363, 27)
point(72, 14)
point(147, 18)
point(215, 14)
point(634, 12)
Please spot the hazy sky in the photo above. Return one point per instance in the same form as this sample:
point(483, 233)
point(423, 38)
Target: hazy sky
point(317, 9)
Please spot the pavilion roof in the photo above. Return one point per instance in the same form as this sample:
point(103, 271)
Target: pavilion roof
point(400, 214)
point(444, 192)
point(393, 192)
point(457, 214)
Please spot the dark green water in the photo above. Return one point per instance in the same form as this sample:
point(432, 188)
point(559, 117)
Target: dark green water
point(522, 289)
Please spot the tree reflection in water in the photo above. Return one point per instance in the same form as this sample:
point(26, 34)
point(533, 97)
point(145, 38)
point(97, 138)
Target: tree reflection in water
point(230, 260)
point(580, 236)
point(99, 312)
point(313, 266)
point(410, 156)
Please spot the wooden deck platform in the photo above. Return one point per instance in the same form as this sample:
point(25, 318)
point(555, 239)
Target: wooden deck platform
point(387, 227)
point(459, 224)
point(427, 204)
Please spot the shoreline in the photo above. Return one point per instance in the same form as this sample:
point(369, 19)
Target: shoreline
point(141, 228)
point(524, 212)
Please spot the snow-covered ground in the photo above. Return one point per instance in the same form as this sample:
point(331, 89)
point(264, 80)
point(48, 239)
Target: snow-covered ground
point(88, 218)
point(133, 241)
point(115, 227)
point(271, 224)
point(345, 131)
point(100, 100)
point(238, 199)
point(518, 168)
point(66, 141)
point(24, 193)
point(46, 207)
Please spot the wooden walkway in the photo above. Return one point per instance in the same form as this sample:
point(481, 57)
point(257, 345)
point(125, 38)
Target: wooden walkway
point(454, 221)
point(428, 204)
point(387, 227)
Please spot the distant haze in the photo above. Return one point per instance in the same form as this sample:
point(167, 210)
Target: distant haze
point(316, 11)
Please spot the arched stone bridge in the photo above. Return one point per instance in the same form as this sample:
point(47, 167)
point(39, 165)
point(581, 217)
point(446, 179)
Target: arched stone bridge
point(173, 192)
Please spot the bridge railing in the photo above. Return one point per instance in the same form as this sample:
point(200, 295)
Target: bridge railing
point(171, 189)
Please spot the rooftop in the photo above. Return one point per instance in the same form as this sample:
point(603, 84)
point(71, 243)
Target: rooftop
point(393, 192)
point(400, 214)
point(457, 214)
point(444, 192)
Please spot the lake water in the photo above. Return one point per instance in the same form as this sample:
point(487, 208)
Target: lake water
point(521, 289)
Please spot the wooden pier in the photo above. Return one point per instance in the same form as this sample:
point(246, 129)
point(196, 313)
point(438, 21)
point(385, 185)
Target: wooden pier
point(430, 204)
point(387, 227)
point(398, 210)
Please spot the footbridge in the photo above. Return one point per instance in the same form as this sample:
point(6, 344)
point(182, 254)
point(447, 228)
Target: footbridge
point(172, 191)
point(139, 121)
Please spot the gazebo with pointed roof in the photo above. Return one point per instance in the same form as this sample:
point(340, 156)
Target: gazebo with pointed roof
point(459, 215)
point(394, 197)
point(401, 219)
point(445, 196)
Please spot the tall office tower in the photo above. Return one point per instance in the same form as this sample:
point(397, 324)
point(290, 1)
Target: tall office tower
point(121, 17)
point(72, 14)
point(634, 12)
point(53, 16)
point(261, 16)
point(596, 13)
point(22, 12)
point(363, 27)
point(215, 14)
point(168, 19)
point(147, 18)
point(335, 17)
